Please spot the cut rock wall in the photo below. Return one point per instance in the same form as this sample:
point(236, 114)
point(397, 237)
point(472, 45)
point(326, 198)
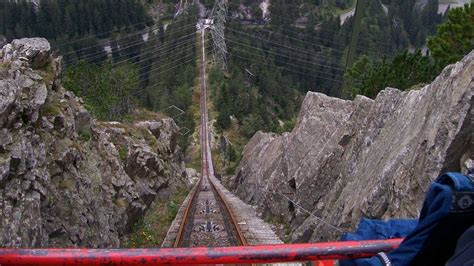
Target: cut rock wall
point(345, 160)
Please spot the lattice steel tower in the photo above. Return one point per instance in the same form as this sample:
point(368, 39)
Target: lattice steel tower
point(219, 51)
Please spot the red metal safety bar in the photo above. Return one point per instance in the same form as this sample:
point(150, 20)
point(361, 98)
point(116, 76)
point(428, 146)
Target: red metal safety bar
point(200, 255)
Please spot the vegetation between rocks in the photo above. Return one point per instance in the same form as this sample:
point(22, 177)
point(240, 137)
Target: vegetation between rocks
point(150, 231)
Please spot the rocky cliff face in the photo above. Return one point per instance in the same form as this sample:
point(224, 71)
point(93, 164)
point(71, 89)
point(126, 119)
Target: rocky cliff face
point(251, 10)
point(65, 178)
point(364, 158)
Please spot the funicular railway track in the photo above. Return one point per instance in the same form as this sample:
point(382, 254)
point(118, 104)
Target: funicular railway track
point(208, 218)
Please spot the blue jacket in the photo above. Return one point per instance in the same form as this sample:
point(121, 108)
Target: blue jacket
point(448, 210)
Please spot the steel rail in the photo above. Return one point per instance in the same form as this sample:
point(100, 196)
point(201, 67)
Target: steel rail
point(182, 226)
point(200, 255)
point(240, 235)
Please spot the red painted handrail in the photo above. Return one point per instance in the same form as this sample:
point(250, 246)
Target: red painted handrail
point(201, 255)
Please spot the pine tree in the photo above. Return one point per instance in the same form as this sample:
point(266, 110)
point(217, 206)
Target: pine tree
point(455, 37)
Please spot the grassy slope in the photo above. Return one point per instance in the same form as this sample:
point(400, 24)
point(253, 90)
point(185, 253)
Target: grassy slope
point(151, 230)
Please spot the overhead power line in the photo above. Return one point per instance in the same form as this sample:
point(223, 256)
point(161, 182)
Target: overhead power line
point(288, 57)
point(289, 69)
point(303, 41)
point(387, 44)
point(114, 40)
point(114, 30)
point(159, 52)
point(100, 34)
point(172, 65)
point(309, 52)
point(141, 75)
point(340, 47)
point(167, 65)
point(97, 55)
point(167, 70)
point(144, 66)
point(288, 64)
point(153, 49)
point(139, 69)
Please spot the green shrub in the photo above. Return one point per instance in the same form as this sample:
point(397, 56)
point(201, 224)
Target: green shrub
point(172, 210)
point(84, 135)
point(123, 152)
point(50, 109)
point(150, 230)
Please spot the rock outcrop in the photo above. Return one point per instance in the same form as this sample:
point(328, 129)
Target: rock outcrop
point(258, 10)
point(364, 158)
point(65, 178)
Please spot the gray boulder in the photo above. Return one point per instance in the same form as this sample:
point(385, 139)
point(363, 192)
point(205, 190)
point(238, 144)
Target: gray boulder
point(36, 50)
point(164, 130)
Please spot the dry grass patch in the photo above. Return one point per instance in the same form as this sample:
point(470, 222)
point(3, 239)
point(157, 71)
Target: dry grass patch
point(143, 115)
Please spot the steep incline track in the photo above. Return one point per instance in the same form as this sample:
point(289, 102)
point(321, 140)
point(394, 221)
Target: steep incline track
point(208, 220)
point(211, 215)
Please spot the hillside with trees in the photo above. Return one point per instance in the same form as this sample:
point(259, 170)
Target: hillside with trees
point(130, 60)
point(454, 39)
point(302, 46)
point(115, 56)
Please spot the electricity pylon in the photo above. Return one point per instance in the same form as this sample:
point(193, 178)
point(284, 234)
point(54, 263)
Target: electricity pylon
point(219, 51)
